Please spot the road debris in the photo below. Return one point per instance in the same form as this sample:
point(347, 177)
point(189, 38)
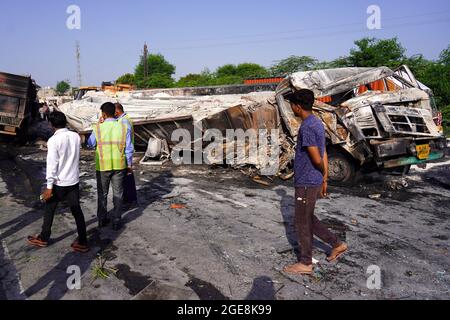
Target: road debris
point(177, 206)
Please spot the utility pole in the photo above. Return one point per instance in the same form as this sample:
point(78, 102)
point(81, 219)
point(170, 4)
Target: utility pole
point(145, 61)
point(77, 53)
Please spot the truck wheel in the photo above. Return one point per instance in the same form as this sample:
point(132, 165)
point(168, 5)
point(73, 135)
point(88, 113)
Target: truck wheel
point(341, 168)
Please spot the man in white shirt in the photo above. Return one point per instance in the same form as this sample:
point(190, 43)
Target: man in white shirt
point(62, 182)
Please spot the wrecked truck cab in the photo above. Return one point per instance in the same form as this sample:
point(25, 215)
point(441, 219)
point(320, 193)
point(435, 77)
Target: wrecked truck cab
point(375, 118)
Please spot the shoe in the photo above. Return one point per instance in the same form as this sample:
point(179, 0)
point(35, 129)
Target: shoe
point(116, 226)
point(299, 269)
point(77, 247)
point(37, 241)
point(103, 223)
point(337, 252)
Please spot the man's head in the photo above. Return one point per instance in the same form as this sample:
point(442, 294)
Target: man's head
point(57, 120)
point(108, 110)
point(302, 102)
point(119, 110)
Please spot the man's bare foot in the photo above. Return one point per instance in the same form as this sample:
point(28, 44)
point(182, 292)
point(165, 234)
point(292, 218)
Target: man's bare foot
point(298, 268)
point(337, 252)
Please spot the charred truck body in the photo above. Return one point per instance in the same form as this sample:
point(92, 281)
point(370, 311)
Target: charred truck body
point(375, 118)
point(17, 104)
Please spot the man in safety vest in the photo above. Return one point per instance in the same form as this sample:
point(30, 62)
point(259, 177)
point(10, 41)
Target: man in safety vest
point(113, 159)
point(129, 184)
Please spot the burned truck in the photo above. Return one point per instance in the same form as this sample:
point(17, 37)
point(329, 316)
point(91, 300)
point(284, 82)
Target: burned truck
point(375, 118)
point(18, 105)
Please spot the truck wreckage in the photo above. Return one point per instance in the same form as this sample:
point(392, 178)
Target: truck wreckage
point(375, 118)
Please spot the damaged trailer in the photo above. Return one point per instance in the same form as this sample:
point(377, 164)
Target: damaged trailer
point(375, 119)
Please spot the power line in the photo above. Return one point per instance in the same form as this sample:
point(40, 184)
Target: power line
point(314, 28)
point(217, 45)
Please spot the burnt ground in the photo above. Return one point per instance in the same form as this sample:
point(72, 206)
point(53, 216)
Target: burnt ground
point(229, 240)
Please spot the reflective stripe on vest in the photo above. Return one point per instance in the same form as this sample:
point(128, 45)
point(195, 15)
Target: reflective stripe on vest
point(127, 117)
point(111, 140)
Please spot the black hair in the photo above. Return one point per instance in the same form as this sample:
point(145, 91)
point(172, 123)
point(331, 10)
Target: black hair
point(119, 107)
point(109, 109)
point(304, 98)
point(58, 119)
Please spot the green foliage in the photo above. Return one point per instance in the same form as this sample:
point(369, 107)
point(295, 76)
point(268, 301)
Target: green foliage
point(293, 64)
point(62, 87)
point(243, 71)
point(371, 52)
point(160, 73)
point(446, 117)
point(444, 58)
point(127, 78)
point(225, 75)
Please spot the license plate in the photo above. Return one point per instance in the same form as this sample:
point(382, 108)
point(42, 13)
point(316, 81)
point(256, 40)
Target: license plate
point(423, 151)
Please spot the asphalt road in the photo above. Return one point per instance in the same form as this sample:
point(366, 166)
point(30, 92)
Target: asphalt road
point(229, 238)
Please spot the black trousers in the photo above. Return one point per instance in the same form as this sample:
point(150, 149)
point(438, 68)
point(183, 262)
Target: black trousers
point(129, 189)
point(72, 196)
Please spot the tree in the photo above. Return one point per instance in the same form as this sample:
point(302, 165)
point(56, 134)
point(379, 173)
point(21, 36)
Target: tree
point(371, 52)
point(293, 64)
point(251, 70)
point(127, 78)
point(160, 73)
point(444, 57)
point(435, 75)
point(62, 87)
point(206, 78)
point(226, 70)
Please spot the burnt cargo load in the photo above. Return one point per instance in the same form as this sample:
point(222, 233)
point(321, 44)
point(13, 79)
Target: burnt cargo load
point(375, 118)
point(17, 103)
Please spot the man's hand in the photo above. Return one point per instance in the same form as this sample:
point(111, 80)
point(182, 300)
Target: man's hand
point(129, 171)
point(324, 190)
point(48, 193)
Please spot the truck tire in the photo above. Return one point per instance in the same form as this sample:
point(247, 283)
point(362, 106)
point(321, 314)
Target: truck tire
point(341, 168)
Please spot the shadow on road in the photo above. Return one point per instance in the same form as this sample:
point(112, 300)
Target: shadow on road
point(262, 289)
point(57, 276)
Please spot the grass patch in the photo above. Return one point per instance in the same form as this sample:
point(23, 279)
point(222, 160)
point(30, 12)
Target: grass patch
point(101, 270)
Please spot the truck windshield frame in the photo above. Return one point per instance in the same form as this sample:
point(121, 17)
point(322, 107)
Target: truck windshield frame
point(9, 105)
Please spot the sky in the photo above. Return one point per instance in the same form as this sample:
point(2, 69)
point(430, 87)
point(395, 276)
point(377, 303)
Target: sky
point(198, 34)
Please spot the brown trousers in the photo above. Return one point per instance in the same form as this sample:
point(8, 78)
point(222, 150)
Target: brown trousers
point(307, 223)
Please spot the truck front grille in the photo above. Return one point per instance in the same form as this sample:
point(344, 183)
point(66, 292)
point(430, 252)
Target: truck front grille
point(406, 120)
point(407, 123)
point(10, 121)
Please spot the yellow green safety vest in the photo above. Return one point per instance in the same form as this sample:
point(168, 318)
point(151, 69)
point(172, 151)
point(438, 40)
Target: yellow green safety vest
point(111, 139)
point(126, 116)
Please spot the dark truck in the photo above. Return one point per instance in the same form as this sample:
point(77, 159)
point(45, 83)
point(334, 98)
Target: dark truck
point(18, 105)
